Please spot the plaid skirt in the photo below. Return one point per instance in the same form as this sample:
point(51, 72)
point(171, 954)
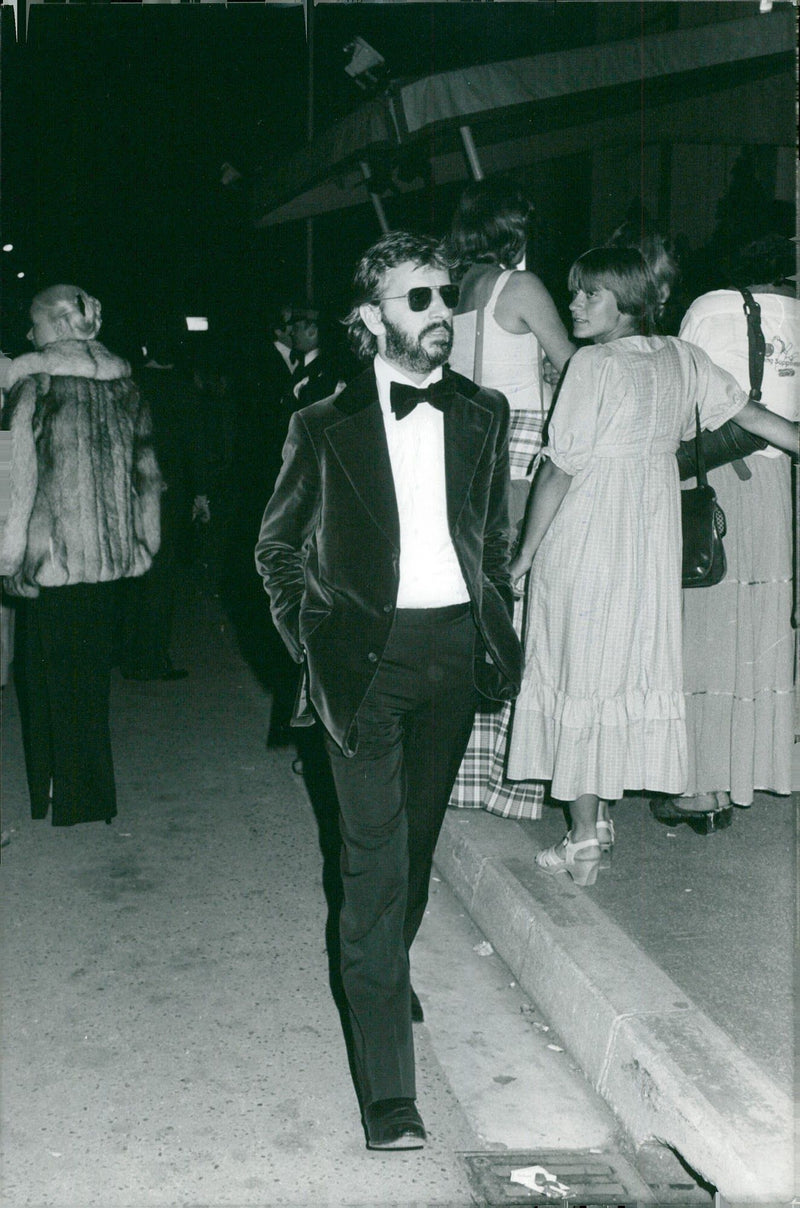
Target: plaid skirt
point(481, 781)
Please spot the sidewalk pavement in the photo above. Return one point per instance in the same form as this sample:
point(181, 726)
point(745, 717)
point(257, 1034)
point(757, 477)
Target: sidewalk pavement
point(670, 980)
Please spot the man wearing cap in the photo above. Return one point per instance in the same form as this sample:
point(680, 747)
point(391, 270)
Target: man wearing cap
point(385, 551)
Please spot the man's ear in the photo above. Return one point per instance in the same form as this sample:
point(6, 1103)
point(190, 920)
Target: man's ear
point(372, 318)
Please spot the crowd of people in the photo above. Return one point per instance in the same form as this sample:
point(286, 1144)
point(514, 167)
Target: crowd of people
point(472, 552)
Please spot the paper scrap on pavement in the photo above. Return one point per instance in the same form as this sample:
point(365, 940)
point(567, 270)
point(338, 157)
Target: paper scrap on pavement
point(540, 1180)
point(484, 948)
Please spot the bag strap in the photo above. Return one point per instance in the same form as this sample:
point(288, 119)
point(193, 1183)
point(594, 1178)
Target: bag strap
point(699, 455)
point(477, 364)
point(757, 345)
point(486, 291)
point(756, 353)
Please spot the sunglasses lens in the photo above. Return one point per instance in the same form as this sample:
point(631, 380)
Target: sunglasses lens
point(420, 298)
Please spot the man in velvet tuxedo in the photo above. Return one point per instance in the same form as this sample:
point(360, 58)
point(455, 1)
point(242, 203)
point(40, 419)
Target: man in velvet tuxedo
point(385, 551)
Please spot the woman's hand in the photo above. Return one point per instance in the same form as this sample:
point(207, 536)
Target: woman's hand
point(518, 569)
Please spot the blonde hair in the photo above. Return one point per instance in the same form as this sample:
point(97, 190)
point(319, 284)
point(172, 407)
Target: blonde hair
point(82, 311)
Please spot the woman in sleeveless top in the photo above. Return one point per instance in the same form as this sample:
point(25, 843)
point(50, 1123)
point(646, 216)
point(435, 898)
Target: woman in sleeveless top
point(506, 324)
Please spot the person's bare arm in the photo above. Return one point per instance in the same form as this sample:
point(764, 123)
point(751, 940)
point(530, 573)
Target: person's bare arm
point(526, 298)
point(782, 433)
point(547, 494)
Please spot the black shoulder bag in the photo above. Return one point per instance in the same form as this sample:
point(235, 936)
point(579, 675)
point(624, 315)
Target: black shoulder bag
point(730, 443)
point(703, 525)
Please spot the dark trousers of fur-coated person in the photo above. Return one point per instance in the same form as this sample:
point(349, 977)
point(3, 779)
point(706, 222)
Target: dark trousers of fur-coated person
point(62, 672)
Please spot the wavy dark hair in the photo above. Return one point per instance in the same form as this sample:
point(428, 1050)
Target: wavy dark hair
point(627, 274)
point(490, 224)
point(657, 249)
point(769, 260)
point(398, 247)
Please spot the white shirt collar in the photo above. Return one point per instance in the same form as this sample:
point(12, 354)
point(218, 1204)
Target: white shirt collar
point(285, 352)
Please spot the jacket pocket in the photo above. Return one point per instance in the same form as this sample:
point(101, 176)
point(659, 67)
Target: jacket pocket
point(311, 617)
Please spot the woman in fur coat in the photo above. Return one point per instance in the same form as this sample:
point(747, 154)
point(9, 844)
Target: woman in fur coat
point(84, 512)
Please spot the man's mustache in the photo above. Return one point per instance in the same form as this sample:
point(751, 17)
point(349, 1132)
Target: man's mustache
point(446, 327)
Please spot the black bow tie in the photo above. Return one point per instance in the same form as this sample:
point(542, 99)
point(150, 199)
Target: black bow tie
point(405, 398)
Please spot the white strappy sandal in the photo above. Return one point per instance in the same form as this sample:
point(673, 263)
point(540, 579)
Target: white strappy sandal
point(580, 860)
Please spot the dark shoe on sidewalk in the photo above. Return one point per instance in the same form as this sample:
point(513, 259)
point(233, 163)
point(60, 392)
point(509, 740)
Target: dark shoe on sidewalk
point(394, 1124)
point(280, 736)
point(144, 674)
point(702, 822)
point(173, 673)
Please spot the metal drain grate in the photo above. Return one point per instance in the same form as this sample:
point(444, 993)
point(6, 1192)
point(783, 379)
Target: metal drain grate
point(603, 1180)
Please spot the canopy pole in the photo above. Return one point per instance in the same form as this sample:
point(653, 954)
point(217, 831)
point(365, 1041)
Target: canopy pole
point(471, 152)
point(377, 204)
point(310, 22)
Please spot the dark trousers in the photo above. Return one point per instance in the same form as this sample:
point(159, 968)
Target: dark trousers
point(413, 728)
point(63, 675)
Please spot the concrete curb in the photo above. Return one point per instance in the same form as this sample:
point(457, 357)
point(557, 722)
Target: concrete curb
point(665, 1068)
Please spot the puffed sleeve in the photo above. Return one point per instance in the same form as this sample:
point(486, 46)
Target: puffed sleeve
point(717, 393)
point(573, 423)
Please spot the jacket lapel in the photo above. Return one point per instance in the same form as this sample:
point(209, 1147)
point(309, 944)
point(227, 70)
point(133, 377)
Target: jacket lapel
point(358, 441)
point(466, 429)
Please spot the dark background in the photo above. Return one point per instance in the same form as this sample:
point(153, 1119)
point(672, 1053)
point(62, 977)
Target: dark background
point(116, 119)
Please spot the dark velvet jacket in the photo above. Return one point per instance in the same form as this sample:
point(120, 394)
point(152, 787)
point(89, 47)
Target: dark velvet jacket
point(329, 546)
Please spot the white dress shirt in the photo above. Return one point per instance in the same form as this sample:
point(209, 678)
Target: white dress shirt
point(430, 576)
point(286, 354)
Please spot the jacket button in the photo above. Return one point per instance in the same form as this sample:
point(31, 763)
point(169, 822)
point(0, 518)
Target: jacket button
point(372, 656)
point(387, 607)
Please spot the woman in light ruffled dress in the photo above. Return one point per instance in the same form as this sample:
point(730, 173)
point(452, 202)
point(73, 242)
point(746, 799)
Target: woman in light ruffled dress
point(601, 709)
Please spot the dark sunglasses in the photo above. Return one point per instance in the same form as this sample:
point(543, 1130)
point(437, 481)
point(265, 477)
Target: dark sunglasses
point(421, 297)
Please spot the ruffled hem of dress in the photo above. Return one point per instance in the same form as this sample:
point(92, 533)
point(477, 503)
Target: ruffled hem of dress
point(644, 751)
point(584, 713)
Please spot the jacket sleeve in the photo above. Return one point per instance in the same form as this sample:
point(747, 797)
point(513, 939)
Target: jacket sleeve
point(147, 487)
point(498, 535)
point(19, 478)
point(288, 522)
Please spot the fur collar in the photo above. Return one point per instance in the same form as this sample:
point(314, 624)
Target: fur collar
point(70, 358)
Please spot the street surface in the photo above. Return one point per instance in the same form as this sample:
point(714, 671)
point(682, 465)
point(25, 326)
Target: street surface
point(169, 1032)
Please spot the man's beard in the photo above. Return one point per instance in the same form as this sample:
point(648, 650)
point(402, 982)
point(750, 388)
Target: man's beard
point(407, 351)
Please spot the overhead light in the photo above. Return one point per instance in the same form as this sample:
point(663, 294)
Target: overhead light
point(8, 247)
point(229, 174)
point(196, 323)
point(366, 67)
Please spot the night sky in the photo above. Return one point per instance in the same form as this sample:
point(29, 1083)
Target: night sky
point(117, 119)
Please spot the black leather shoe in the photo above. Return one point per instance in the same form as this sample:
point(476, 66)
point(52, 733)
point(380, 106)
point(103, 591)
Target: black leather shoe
point(394, 1124)
point(173, 673)
point(702, 822)
point(165, 672)
point(417, 1013)
point(280, 736)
